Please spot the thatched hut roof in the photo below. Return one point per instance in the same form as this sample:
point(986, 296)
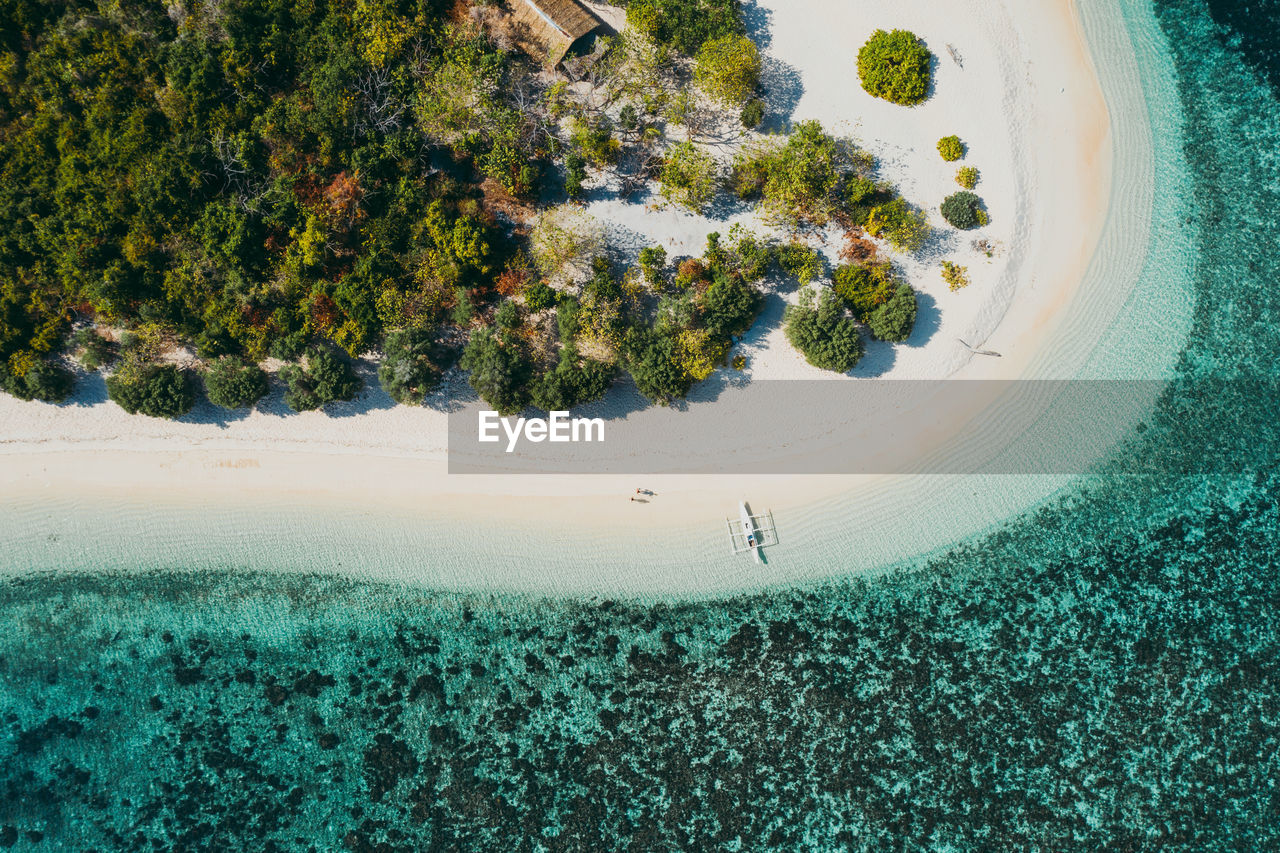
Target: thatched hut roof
point(546, 29)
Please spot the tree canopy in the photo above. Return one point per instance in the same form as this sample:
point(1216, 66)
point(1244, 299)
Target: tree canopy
point(818, 328)
point(728, 70)
point(685, 24)
point(500, 371)
point(156, 390)
point(232, 383)
point(804, 179)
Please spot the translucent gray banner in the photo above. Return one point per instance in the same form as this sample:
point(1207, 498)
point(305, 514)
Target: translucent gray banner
point(849, 427)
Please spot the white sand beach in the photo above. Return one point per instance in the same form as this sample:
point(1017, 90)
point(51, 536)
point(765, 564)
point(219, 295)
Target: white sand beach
point(1028, 104)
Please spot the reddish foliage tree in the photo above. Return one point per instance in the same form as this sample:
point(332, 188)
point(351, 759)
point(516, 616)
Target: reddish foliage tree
point(511, 281)
point(324, 311)
point(344, 195)
point(857, 249)
point(692, 269)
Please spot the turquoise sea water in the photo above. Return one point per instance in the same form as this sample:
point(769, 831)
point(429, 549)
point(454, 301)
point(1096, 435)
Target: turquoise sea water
point(1100, 674)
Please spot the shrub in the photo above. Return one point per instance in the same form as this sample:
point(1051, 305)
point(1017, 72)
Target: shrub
point(567, 317)
point(895, 318)
point(691, 270)
point(412, 365)
point(334, 377)
point(688, 176)
point(728, 70)
point(748, 175)
point(325, 378)
point(750, 256)
point(574, 381)
point(575, 172)
point(864, 287)
point(653, 259)
point(463, 310)
point(155, 390)
point(699, 352)
point(594, 140)
point(44, 381)
point(984, 218)
point(628, 120)
point(955, 275)
point(961, 210)
point(499, 371)
point(752, 113)
point(729, 307)
point(653, 360)
point(951, 148)
point(512, 280)
point(967, 177)
point(232, 383)
point(802, 179)
point(507, 316)
point(539, 296)
point(95, 350)
point(895, 66)
point(564, 240)
point(299, 390)
point(684, 24)
point(904, 227)
point(819, 329)
point(800, 261)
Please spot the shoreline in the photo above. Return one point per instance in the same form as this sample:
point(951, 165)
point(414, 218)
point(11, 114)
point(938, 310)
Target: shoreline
point(340, 465)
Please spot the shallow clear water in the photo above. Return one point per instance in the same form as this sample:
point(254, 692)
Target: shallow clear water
point(1099, 673)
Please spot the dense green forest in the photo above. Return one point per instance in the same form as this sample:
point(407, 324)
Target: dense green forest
point(307, 180)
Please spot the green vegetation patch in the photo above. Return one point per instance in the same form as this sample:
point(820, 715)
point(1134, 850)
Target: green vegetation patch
point(950, 148)
point(689, 176)
point(810, 177)
point(963, 210)
point(878, 298)
point(895, 66)
point(728, 70)
point(155, 390)
point(819, 328)
point(685, 25)
point(325, 378)
point(232, 383)
point(967, 177)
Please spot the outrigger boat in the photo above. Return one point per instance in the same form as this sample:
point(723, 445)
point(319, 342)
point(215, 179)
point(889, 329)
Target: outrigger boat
point(751, 532)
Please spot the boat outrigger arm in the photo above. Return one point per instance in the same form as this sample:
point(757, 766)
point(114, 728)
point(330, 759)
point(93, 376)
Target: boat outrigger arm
point(751, 532)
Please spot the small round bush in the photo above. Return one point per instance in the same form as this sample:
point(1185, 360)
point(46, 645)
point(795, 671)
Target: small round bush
point(234, 384)
point(962, 210)
point(412, 364)
point(44, 381)
point(818, 328)
point(895, 318)
point(155, 390)
point(325, 378)
point(967, 177)
point(539, 295)
point(956, 276)
point(753, 113)
point(895, 66)
point(951, 148)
